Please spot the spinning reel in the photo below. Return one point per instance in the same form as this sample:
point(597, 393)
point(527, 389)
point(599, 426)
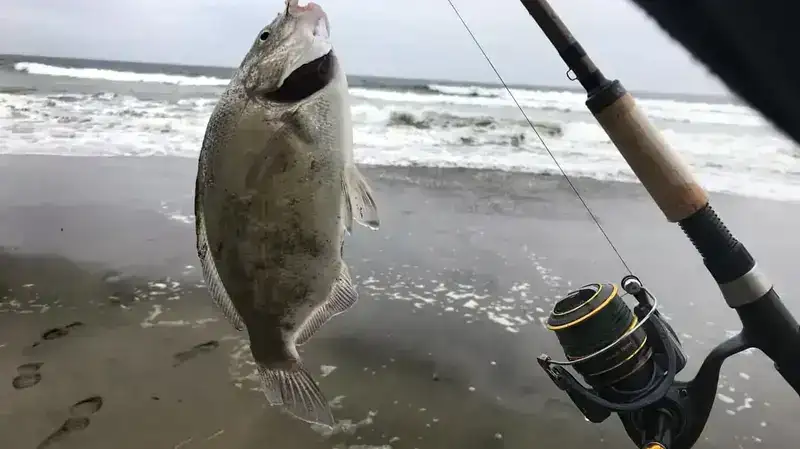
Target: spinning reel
point(629, 359)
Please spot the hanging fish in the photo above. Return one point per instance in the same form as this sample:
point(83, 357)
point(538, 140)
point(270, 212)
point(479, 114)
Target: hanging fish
point(277, 190)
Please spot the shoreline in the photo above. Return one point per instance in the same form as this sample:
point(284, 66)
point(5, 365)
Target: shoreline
point(461, 177)
point(439, 352)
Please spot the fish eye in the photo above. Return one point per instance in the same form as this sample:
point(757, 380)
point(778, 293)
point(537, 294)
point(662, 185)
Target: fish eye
point(264, 35)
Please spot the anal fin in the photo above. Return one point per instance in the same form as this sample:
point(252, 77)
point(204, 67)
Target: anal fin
point(342, 296)
point(360, 204)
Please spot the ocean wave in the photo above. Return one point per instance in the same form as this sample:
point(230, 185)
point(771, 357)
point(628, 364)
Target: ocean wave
point(443, 120)
point(466, 91)
point(565, 101)
point(755, 163)
point(115, 75)
point(690, 112)
point(568, 102)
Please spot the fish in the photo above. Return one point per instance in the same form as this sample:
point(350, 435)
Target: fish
point(277, 191)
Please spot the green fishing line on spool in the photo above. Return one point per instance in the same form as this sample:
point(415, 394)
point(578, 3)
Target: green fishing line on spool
point(591, 318)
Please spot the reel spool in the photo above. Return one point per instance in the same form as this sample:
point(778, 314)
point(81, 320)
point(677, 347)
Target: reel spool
point(617, 353)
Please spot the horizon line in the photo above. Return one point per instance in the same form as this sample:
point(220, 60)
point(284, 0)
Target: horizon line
point(455, 82)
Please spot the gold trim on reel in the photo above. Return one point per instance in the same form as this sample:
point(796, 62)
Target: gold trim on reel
point(602, 338)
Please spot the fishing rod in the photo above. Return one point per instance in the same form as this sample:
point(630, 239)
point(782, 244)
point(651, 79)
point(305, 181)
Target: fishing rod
point(630, 358)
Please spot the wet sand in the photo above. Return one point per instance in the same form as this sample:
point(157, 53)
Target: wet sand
point(101, 302)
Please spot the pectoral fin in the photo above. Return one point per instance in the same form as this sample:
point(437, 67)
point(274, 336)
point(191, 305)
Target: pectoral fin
point(359, 204)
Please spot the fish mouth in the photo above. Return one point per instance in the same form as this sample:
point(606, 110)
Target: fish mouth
point(305, 81)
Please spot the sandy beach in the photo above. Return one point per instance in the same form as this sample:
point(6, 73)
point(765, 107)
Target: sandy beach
point(107, 334)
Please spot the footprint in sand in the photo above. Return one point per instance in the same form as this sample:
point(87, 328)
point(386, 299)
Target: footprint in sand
point(57, 332)
point(194, 351)
point(79, 414)
point(28, 375)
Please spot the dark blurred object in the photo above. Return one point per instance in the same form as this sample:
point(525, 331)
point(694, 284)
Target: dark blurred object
point(750, 45)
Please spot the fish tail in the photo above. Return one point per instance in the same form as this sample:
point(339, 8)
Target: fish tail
point(297, 392)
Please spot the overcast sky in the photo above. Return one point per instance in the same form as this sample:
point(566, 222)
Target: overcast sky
point(402, 38)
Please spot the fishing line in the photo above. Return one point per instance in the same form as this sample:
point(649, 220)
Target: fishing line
point(544, 144)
